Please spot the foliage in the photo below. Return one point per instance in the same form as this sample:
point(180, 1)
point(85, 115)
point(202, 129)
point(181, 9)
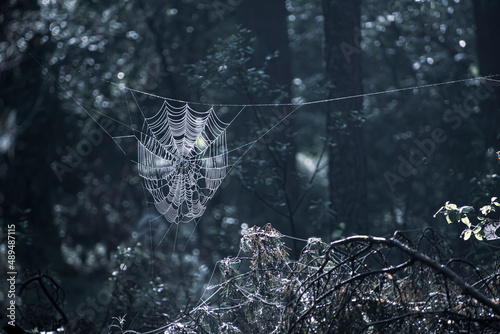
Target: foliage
point(231, 71)
point(119, 323)
point(364, 284)
point(55, 53)
point(482, 226)
point(139, 286)
point(228, 66)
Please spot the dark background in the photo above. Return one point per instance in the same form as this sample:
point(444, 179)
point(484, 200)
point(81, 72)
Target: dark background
point(82, 219)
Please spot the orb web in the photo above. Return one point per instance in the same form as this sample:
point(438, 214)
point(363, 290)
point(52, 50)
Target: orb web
point(182, 160)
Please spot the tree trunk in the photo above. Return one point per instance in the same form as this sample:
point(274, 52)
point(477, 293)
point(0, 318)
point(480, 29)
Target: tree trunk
point(267, 19)
point(488, 50)
point(347, 160)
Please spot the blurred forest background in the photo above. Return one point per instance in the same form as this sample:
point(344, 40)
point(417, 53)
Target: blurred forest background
point(367, 165)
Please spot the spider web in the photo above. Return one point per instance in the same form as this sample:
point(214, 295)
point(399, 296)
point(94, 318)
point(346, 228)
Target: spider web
point(182, 154)
point(182, 158)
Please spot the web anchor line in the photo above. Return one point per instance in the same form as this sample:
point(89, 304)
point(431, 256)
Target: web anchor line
point(340, 98)
point(180, 122)
point(182, 152)
point(190, 168)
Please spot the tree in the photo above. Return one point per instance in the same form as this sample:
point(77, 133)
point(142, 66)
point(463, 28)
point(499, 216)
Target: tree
point(488, 51)
point(268, 21)
point(346, 153)
point(26, 101)
point(84, 214)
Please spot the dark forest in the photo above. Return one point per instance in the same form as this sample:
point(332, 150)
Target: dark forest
point(238, 166)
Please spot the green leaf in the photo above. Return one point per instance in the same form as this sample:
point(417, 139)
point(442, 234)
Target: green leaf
point(467, 234)
point(485, 209)
point(454, 215)
point(477, 230)
point(466, 209)
point(448, 219)
point(466, 221)
point(478, 236)
point(493, 199)
point(450, 206)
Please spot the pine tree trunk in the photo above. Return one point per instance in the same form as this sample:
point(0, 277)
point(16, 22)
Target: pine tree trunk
point(488, 50)
point(267, 19)
point(347, 160)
